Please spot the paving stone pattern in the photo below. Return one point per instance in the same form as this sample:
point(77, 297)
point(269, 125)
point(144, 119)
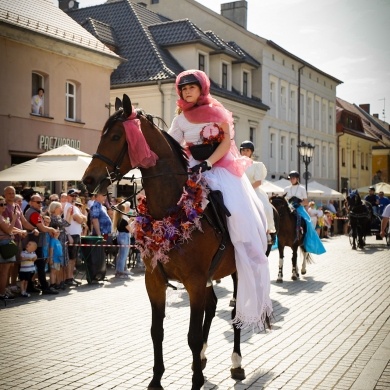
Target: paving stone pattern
point(331, 331)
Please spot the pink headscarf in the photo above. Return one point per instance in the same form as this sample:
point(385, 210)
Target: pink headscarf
point(208, 109)
point(139, 151)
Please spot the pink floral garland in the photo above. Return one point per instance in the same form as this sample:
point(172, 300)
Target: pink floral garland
point(155, 238)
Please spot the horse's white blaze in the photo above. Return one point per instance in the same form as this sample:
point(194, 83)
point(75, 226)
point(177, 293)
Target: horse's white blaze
point(236, 360)
point(203, 351)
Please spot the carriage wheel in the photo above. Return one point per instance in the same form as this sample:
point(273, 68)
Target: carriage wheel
point(387, 236)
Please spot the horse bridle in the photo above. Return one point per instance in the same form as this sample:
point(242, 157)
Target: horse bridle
point(284, 204)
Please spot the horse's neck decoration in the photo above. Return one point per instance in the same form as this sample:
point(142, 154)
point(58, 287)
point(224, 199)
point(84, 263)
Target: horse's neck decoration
point(139, 151)
point(155, 238)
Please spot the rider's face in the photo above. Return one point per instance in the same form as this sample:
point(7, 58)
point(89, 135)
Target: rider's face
point(191, 93)
point(246, 152)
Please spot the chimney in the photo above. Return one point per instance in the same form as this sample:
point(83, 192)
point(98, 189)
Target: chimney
point(67, 5)
point(375, 116)
point(236, 12)
point(365, 107)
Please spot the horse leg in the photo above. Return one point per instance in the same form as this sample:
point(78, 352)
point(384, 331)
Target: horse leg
point(211, 305)
point(354, 236)
point(197, 296)
point(305, 256)
point(236, 371)
point(295, 271)
point(233, 300)
point(281, 257)
point(157, 294)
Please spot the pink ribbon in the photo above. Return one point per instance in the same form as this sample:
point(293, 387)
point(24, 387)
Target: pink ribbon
point(140, 154)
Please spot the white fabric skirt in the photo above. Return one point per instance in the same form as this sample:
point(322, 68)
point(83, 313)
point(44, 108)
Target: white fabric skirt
point(247, 229)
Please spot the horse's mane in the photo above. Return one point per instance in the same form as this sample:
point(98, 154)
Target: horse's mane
point(177, 149)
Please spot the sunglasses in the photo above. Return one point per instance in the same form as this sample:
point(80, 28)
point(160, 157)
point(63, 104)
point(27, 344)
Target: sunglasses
point(37, 201)
point(2, 204)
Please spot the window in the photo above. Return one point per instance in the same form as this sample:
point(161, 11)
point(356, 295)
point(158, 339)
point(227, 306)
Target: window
point(70, 95)
point(323, 160)
point(245, 83)
point(302, 107)
point(37, 82)
point(155, 1)
point(252, 131)
point(343, 157)
point(224, 76)
point(323, 117)
point(283, 97)
point(271, 92)
point(366, 161)
point(282, 147)
point(202, 62)
point(317, 114)
point(354, 159)
point(309, 108)
point(293, 150)
point(362, 161)
point(331, 163)
point(271, 145)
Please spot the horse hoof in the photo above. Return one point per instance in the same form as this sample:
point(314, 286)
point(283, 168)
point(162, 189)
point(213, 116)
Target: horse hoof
point(232, 303)
point(279, 280)
point(237, 373)
point(294, 277)
point(303, 272)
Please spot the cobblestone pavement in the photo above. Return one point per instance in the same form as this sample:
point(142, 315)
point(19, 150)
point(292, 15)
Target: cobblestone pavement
point(331, 331)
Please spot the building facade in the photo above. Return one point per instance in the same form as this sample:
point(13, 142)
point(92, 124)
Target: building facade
point(44, 48)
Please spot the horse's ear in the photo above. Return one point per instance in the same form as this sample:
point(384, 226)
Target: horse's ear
point(284, 195)
point(118, 104)
point(127, 105)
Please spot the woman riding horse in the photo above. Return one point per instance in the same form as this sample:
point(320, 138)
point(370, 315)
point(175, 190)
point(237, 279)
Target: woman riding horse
point(130, 139)
point(202, 120)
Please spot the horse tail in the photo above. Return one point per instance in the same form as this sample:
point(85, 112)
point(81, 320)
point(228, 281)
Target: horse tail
point(307, 255)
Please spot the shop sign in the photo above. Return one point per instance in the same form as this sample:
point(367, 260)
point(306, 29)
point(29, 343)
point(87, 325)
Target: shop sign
point(47, 143)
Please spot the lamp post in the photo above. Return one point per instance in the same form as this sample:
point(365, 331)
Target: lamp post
point(306, 151)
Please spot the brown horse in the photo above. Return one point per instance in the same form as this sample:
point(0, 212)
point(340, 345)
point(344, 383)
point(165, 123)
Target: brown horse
point(189, 263)
point(289, 235)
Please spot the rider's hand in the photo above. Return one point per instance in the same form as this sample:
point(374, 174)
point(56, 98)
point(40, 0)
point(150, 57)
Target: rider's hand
point(202, 167)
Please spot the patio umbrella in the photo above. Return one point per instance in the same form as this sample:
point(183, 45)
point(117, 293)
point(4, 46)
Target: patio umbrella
point(60, 164)
point(385, 187)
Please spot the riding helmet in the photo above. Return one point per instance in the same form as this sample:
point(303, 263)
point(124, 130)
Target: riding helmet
point(247, 145)
point(188, 79)
point(293, 174)
point(371, 188)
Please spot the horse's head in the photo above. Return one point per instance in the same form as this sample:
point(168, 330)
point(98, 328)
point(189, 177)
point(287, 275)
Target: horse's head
point(353, 199)
point(280, 203)
point(129, 140)
point(111, 161)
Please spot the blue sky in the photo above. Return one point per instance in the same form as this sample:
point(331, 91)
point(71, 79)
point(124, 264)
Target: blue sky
point(348, 39)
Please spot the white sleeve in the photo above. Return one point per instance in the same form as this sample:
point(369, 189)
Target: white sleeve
point(260, 171)
point(175, 131)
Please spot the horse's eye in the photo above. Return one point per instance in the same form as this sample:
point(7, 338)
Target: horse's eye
point(115, 137)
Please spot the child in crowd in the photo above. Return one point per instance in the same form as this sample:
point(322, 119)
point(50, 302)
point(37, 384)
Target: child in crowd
point(56, 261)
point(27, 267)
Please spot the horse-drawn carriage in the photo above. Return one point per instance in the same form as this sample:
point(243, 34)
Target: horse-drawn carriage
point(363, 221)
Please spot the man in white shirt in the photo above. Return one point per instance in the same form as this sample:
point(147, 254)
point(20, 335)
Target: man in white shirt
point(74, 230)
point(37, 102)
point(385, 220)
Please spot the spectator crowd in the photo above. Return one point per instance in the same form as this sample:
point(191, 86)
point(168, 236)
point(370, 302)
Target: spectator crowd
point(47, 232)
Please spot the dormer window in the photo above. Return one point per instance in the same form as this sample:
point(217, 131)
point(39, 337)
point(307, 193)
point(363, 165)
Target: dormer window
point(202, 62)
point(245, 80)
point(224, 76)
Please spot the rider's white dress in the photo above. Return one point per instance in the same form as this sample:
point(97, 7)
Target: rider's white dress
point(247, 229)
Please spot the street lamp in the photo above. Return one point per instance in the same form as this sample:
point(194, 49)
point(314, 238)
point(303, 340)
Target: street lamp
point(306, 151)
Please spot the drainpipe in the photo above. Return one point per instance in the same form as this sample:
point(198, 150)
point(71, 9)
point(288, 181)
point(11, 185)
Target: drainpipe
point(299, 118)
point(162, 99)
